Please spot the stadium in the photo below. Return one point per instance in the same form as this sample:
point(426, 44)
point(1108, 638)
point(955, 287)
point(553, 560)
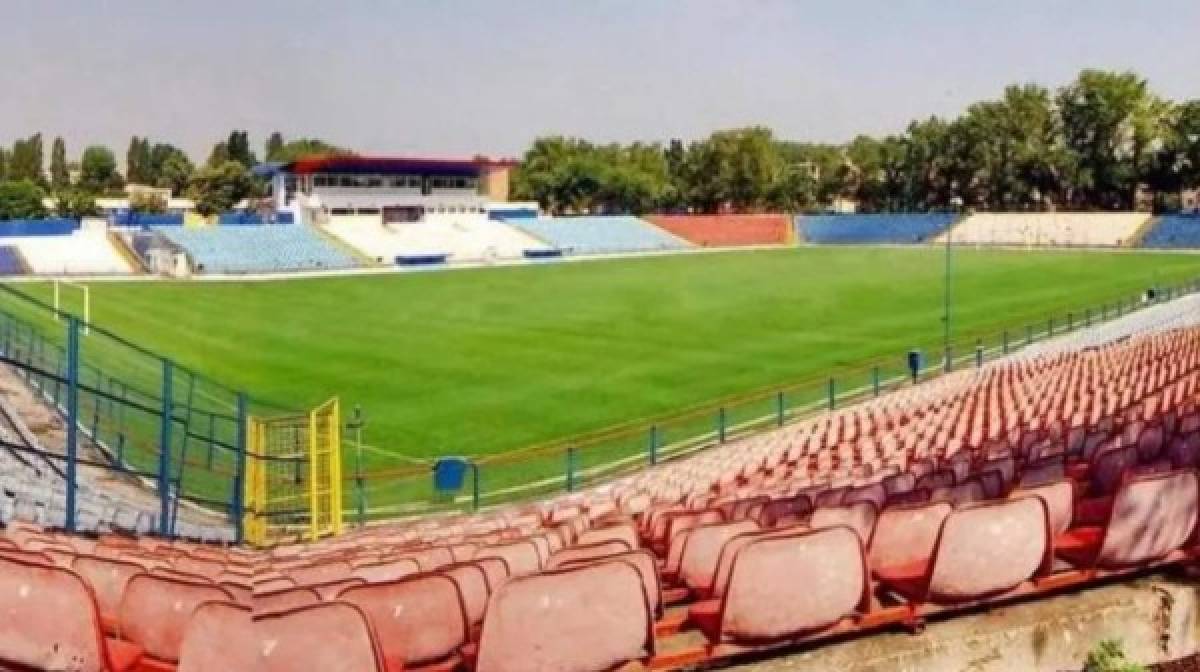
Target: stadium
point(923, 401)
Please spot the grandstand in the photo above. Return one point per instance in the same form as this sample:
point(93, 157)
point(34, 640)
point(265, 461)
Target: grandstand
point(726, 230)
point(1050, 229)
point(1028, 476)
point(594, 235)
point(256, 249)
point(1173, 232)
point(461, 238)
point(864, 229)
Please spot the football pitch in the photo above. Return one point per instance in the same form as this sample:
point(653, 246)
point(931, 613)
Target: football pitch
point(484, 361)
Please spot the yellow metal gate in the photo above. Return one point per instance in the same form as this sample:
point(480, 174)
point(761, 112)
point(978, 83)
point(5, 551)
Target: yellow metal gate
point(294, 476)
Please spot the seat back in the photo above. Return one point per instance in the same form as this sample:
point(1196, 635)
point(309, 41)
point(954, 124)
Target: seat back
point(859, 516)
point(472, 585)
point(1110, 467)
point(419, 619)
point(1059, 497)
point(220, 636)
point(777, 509)
point(587, 551)
point(907, 534)
point(324, 572)
point(284, 600)
point(48, 619)
point(155, 612)
point(346, 642)
point(625, 532)
point(679, 530)
point(646, 565)
point(989, 548)
point(107, 578)
point(522, 557)
point(382, 572)
point(1151, 516)
point(730, 550)
point(959, 495)
point(495, 569)
point(535, 622)
point(702, 550)
point(786, 586)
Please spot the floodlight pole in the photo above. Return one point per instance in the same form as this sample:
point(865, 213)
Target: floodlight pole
point(957, 203)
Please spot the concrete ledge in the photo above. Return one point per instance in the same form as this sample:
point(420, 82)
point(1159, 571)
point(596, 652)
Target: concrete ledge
point(1155, 617)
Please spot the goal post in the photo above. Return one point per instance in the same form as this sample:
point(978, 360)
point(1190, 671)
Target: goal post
point(85, 292)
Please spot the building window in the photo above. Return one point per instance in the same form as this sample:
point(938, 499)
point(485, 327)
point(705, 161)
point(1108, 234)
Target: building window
point(374, 182)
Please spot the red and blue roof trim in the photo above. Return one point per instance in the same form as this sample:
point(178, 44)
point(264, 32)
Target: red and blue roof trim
point(367, 165)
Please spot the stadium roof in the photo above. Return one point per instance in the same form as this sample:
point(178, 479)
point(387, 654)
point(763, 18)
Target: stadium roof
point(375, 165)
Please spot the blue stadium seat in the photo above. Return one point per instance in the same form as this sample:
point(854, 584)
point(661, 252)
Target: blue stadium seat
point(885, 228)
point(1174, 231)
point(11, 261)
point(599, 235)
point(258, 249)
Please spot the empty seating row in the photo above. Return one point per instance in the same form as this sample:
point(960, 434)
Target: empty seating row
point(881, 228)
point(1174, 231)
point(462, 238)
point(257, 249)
point(600, 235)
point(1085, 229)
point(726, 230)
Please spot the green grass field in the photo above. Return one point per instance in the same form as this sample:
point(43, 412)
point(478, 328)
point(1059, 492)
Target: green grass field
point(491, 360)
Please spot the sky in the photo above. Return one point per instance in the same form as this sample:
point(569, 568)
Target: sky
point(461, 77)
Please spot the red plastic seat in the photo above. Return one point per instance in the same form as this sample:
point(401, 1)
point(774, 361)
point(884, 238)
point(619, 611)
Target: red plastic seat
point(982, 550)
point(588, 551)
point(785, 586)
point(1150, 517)
point(331, 637)
point(155, 612)
point(49, 620)
point(220, 636)
point(590, 618)
point(421, 620)
point(108, 579)
point(907, 534)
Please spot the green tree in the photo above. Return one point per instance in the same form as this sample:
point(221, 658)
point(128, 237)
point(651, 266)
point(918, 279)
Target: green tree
point(77, 203)
point(21, 199)
point(238, 146)
point(3, 164)
point(25, 161)
point(172, 167)
point(307, 147)
point(147, 203)
point(98, 170)
point(1110, 123)
point(139, 164)
point(60, 177)
point(217, 189)
point(273, 147)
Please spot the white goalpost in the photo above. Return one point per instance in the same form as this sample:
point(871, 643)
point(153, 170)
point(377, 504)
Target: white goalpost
point(87, 301)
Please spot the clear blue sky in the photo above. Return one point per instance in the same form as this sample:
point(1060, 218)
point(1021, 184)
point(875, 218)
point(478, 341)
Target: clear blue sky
point(459, 77)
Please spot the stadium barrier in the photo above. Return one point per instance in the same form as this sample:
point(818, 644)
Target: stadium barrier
point(294, 476)
point(132, 413)
point(408, 487)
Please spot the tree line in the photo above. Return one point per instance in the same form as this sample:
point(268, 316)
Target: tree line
point(223, 180)
point(1104, 141)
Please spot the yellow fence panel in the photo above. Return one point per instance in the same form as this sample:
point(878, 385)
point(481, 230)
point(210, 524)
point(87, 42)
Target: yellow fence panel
point(294, 473)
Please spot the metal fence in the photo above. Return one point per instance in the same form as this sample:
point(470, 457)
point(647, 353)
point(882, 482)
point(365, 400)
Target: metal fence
point(130, 412)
